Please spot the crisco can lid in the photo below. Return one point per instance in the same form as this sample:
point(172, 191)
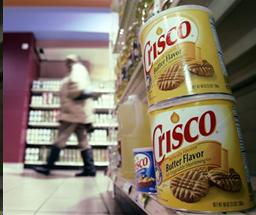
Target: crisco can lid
point(188, 99)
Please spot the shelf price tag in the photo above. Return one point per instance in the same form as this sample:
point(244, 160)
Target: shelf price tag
point(142, 199)
point(127, 187)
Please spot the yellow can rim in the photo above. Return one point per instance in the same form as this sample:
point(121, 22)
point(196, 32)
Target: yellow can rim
point(189, 99)
point(174, 9)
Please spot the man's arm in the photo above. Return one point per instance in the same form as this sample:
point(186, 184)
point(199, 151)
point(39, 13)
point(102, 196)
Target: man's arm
point(73, 90)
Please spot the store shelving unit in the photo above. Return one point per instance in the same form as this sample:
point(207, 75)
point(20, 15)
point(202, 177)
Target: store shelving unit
point(148, 202)
point(44, 124)
point(42, 107)
point(75, 144)
point(238, 51)
point(127, 18)
point(136, 84)
point(43, 91)
point(95, 94)
point(38, 144)
point(104, 125)
point(69, 164)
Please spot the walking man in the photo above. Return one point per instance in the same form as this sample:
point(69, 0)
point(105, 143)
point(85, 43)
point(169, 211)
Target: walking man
point(76, 116)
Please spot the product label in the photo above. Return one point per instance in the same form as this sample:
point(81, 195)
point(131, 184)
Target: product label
point(145, 171)
point(141, 161)
point(181, 30)
point(181, 56)
point(197, 145)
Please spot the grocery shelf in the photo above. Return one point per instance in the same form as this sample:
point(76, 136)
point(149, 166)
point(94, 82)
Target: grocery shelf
point(149, 203)
point(104, 108)
point(103, 143)
point(47, 144)
point(44, 124)
point(127, 18)
point(97, 108)
point(39, 143)
point(43, 91)
point(136, 84)
point(56, 124)
point(96, 92)
point(44, 106)
point(34, 162)
point(105, 125)
point(42, 144)
point(58, 163)
point(68, 163)
point(101, 163)
point(93, 143)
point(104, 91)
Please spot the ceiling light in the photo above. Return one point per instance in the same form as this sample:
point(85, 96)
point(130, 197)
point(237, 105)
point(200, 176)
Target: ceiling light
point(24, 46)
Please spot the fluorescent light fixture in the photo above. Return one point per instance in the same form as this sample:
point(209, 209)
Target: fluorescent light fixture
point(24, 46)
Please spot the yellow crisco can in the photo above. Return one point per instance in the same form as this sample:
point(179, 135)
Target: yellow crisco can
point(199, 155)
point(182, 55)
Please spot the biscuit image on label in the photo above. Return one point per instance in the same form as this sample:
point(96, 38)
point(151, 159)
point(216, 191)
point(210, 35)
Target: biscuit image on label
point(191, 186)
point(200, 67)
point(171, 78)
point(230, 182)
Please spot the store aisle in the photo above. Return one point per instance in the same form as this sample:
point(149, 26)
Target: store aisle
point(27, 193)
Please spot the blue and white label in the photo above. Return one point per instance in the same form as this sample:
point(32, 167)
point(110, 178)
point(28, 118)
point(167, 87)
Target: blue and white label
point(141, 161)
point(145, 171)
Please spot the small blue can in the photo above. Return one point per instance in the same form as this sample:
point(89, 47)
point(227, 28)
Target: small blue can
point(145, 170)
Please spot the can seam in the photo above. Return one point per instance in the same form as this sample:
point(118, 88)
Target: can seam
point(174, 9)
point(188, 99)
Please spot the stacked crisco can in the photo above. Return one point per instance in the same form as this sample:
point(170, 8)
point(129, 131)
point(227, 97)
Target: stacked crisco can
point(197, 144)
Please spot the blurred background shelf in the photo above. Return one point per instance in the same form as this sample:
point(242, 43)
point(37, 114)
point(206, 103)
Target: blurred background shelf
point(104, 108)
point(105, 125)
point(127, 19)
point(44, 124)
point(98, 143)
point(44, 91)
point(44, 106)
point(68, 163)
point(136, 84)
point(97, 108)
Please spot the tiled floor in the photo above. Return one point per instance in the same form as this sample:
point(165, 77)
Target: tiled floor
point(28, 193)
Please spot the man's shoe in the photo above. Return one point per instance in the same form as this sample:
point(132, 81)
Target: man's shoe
point(42, 170)
point(89, 168)
point(53, 156)
point(85, 174)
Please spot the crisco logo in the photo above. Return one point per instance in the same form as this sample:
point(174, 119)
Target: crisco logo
point(160, 38)
point(141, 161)
point(177, 134)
